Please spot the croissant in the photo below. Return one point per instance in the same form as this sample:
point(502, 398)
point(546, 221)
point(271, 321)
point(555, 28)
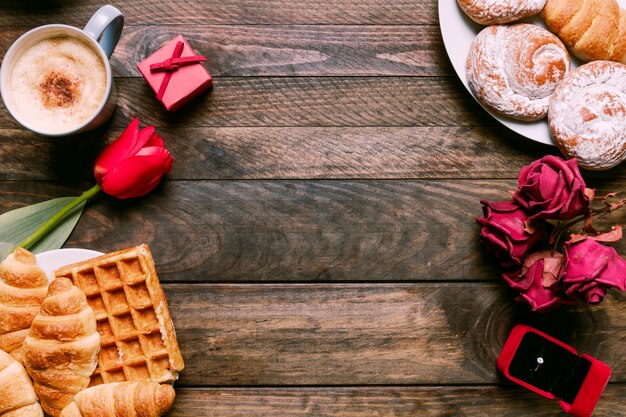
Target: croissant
point(60, 352)
point(122, 399)
point(23, 286)
point(591, 29)
point(17, 396)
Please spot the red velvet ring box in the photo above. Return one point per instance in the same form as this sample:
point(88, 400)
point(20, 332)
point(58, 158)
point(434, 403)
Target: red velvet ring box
point(554, 370)
point(180, 68)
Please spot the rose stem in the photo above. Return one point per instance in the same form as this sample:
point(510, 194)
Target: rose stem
point(600, 213)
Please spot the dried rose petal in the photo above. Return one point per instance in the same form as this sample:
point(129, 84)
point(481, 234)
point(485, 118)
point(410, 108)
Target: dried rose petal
point(608, 237)
point(590, 268)
point(537, 282)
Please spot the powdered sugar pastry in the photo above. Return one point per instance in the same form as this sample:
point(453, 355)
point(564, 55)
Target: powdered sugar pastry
point(513, 70)
point(587, 115)
point(489, 12)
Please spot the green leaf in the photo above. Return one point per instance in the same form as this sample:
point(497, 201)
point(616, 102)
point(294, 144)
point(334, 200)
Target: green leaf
point(5, 249)
point(16, 225)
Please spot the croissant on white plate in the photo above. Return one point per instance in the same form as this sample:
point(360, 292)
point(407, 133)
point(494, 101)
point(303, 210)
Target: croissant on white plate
point(61, 350)
point(23, 287)
point(17, 396)
point(122, 399)
point(592, 29)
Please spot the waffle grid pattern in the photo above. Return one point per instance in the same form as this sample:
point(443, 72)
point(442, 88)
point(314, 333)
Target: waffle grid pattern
point(129, 317)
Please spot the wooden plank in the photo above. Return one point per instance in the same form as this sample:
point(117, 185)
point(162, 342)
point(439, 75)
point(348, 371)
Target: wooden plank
point(233, 231)
point(305, 50)
point(374, 334)
point(289, 153)
point(305, 101)
point(436, 401)
point(290, 230)
point(146, 12)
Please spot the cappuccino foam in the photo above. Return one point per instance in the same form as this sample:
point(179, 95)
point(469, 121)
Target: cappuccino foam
point(58, 84)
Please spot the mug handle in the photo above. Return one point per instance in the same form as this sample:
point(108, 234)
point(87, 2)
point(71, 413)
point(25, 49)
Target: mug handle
point(105, 26)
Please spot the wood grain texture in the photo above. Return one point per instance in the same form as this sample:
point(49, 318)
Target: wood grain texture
point(35, 12)
point(374, 334)
point(438, 401)
point(304, 50)
point(291, 230)
point(230, 231)
point(318, 101)
point(296, 153)
point(289, 153)
point(305, 102)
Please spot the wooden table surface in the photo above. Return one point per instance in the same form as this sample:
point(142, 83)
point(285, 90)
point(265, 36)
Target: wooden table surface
point(316, 236)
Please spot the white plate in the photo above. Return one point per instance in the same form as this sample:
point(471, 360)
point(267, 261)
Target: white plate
point(458, 32)
point(54, 259)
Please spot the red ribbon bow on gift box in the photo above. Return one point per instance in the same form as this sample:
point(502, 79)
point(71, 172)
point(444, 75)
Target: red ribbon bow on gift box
point(172, 64)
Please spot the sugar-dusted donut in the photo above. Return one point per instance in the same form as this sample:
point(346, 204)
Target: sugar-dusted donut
point(513, 70)
point(587, 115)
point(490, 12)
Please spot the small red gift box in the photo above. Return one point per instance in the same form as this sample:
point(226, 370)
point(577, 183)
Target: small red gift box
point(175, 73)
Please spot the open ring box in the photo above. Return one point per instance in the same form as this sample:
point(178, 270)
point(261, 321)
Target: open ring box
point(554, 370)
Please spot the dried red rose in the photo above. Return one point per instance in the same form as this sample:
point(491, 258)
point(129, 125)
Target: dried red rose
point(537, 281)
point(551, 188)
point(504, 231)
point(590, 268)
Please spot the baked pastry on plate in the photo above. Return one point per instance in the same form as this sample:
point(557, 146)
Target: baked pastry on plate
point(490, 12)
point(17, 396)
point(513, 70)
point(122, 399)
point(591, 29)
point(23, 286)
point(61, 350)
point(587, 115)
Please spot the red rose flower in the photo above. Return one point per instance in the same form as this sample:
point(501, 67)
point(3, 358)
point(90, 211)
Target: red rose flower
point(133, 165)
point(551, 188)
point(537, 281)
point(590, 268)
point(505, 233)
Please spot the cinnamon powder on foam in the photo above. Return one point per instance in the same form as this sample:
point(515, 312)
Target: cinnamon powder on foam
point(59, 89)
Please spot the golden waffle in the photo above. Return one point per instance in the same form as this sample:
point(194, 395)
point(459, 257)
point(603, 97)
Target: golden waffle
point(138, 338)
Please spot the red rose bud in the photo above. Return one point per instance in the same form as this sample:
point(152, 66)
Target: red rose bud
point(591, 268)
point(133, 165)
point(537, 281)
point(504, 231)
point(551, 188)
